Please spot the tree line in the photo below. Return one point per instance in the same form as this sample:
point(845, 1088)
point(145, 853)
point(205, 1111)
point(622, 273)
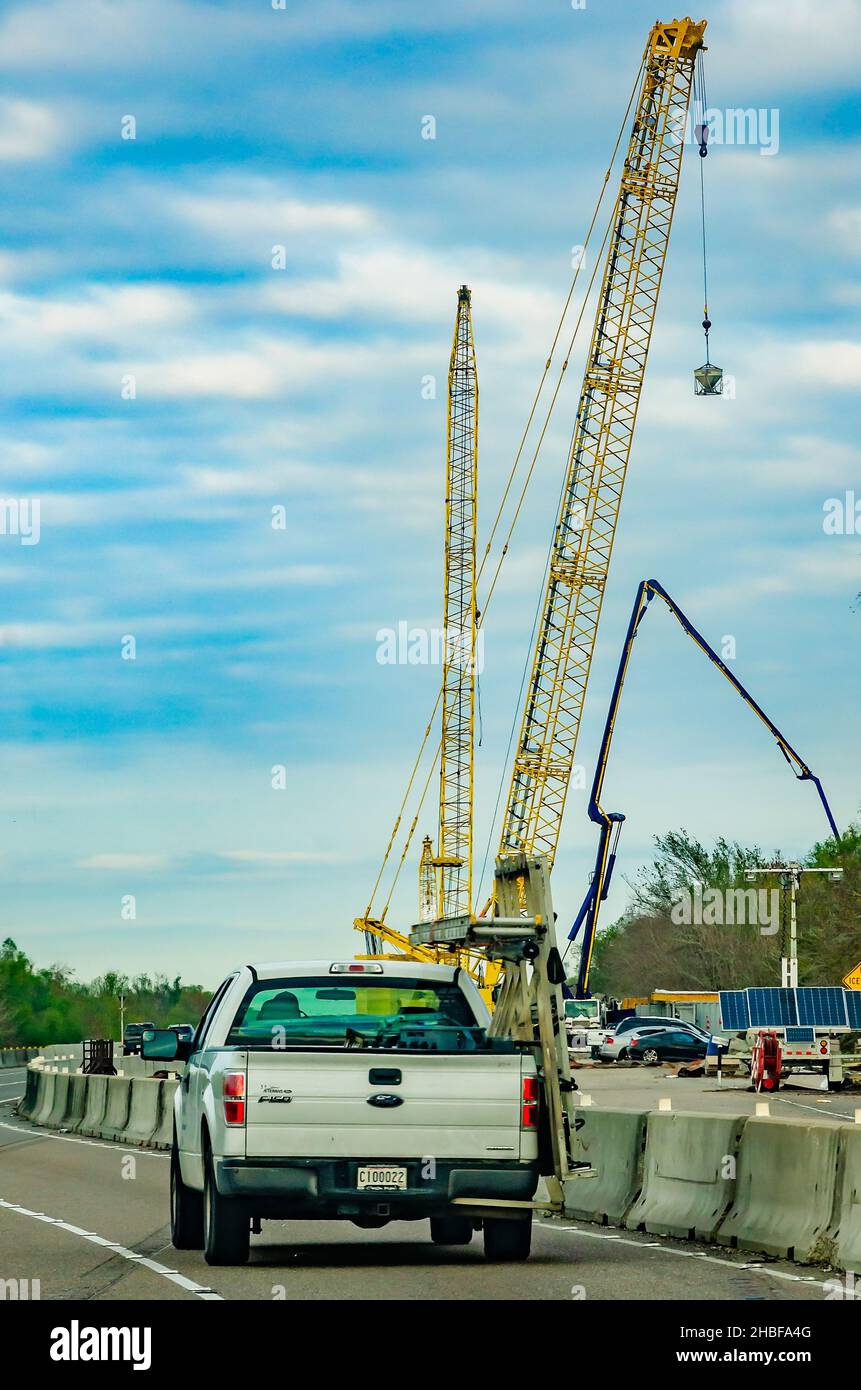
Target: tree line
point(41, 1006)
point(659, 943)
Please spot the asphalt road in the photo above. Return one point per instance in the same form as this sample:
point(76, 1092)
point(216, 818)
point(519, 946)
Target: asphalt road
point(640, 1088)
point(88, 1219)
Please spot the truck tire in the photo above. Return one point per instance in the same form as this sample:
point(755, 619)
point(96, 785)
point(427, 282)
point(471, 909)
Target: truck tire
point(508, 1239)
point(186, 1209)
point(451, 1230)
point(226, 1224)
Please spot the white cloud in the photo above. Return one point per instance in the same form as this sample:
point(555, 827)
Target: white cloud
point(797, 43)
point(112, 863)
point(109, 313)
point(28, 130)
point(831, 363)
point(258, 211)
point(284, 856)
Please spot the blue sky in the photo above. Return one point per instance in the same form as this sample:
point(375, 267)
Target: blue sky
point(301, 387)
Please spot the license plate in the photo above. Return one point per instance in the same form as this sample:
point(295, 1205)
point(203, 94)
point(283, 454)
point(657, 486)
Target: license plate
point(381, 1175)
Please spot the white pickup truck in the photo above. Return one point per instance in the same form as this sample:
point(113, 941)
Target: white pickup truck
point(365, 1091)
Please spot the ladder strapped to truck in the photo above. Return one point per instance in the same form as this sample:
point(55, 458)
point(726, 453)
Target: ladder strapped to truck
point(521, 936)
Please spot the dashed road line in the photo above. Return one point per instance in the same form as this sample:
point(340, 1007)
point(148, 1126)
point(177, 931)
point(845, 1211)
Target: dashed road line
point(697, 1255)
point(172, 1275)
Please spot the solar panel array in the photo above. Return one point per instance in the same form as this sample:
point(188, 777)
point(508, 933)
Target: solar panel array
point(773, 1008)
point(821, 1006)
point(824, 1007)
point(735, 1015)
point(800, 1035)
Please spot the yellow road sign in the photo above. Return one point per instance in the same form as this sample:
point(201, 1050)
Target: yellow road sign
point(853, 979)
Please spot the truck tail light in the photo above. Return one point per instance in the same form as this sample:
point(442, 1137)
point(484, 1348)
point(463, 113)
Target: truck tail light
point(234, 1097)
point(529, 1107)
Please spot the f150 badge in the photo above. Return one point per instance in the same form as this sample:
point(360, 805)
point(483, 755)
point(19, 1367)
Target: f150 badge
point(275, 1095)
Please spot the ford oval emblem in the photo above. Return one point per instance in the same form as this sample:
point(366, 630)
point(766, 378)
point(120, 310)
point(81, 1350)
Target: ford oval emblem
point(385, 1102)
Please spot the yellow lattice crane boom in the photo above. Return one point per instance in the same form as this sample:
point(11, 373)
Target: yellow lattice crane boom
point(601, 446)
point(454, 854)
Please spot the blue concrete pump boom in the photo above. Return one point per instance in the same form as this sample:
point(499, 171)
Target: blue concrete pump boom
point(610, 822)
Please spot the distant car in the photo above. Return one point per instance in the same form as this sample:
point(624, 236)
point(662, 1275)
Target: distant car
point(670, 1045)
point(614, 1047)
point(616, 1041)
point(182, 1030)
point(132, 1037)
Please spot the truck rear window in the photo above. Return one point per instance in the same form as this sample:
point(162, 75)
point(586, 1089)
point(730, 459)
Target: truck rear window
point(371, 1013)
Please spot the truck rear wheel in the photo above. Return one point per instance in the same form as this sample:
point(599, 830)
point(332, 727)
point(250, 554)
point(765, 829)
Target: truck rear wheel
point(226, 1224)
point(186, 1209)
point(508, 1239)
point(451, 1230)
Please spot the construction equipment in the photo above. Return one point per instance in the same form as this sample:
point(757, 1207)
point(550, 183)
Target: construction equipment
point(445, 877)
point(520, 938)
point(637, 238)
point(598, 462)
point(610, 822)
point(454, 854)
point(708, 379)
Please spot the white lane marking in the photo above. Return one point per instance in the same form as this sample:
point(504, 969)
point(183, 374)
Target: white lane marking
point(10, 1100)
point(697, 1254)
point(90, 1143)
point(172, 1275)
point(799, 1105)
point(7, 1084)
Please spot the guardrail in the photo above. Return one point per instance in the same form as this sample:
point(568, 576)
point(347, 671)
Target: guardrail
point(785, 1188)
point(131, 1110)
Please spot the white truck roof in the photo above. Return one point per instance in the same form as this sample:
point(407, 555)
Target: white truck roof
point(407, 969)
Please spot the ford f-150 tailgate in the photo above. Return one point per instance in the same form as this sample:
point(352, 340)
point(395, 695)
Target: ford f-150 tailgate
point(398, 1104)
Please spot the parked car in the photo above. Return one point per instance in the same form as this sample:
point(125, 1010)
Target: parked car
point(615, 1042)
point(132, 1037)
point(614, 1048)
point(670, 1045)
point(316, 1089)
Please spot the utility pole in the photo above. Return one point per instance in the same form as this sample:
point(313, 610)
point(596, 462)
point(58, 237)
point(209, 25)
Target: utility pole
point(790, 882)
point(122, 1002)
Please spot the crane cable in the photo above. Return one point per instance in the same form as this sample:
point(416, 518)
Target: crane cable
point(511, 476)
point(702, 132)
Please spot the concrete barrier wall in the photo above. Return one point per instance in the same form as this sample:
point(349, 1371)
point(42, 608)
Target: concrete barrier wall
point(54, 1117)
point(130, 1110)
point(689, 1174)
point(785, 1190)
point(45, 1097)
point(845, 1231)
point(163, 1137)
point(611, 1142)
point(75, 1102)
point(144, 1106)
point(27, 1106)
point(94, 1106)
point(116, 1115)
point(16, 1056)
